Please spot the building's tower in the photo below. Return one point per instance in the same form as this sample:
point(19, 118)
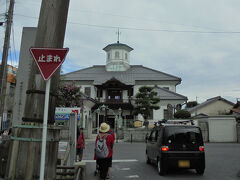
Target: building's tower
point(117, 57)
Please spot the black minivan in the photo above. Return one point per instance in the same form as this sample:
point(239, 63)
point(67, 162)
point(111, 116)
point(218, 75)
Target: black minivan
point(176, 146)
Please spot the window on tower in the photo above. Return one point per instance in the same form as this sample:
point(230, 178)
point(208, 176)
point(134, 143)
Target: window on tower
point(116, 54)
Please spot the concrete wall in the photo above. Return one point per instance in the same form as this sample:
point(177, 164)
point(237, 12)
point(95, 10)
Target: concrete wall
point(238, 132)
point(28, 38)
point(136, 134)
point(218, 128)
point(204, 129)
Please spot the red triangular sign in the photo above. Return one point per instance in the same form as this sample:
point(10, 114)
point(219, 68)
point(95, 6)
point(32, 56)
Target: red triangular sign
point(48, 59)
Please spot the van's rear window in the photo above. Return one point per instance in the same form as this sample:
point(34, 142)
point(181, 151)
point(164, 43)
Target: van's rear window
point(183, 135)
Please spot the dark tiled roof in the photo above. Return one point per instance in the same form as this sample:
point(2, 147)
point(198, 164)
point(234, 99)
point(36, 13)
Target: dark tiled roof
point(118, 45)
point(211, 100)
point(99, 75)
point(165, 94)
point(236, 110)
point(237, 105)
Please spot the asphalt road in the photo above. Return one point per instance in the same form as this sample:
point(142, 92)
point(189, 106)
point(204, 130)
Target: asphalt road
point(222, 163)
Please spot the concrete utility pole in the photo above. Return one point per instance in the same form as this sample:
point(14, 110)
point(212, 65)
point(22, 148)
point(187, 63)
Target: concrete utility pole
point(24, 162)
point(4, 66)
point(50, 33)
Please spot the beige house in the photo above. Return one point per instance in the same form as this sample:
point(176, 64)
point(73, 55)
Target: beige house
point(212, 107)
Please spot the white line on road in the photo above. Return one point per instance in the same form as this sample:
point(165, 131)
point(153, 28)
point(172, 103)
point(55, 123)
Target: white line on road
point(125, 169)
point(115, 160)
point(132, 176)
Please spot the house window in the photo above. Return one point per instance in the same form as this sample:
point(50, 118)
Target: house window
point(165, 114)
point(108, 55)
point(116, 54)
point(99, 93)
point(126, 56)
point(87, 91)
point(130, 92)
point(117, 97)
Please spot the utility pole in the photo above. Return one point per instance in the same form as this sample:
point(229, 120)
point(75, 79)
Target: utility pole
point(24, 162)
point(50, 33)
point(4, 66)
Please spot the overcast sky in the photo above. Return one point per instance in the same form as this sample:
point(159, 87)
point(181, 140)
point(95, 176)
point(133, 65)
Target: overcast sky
point(198, 41)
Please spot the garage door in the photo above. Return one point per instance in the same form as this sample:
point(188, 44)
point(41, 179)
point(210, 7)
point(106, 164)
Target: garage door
point(222, 130)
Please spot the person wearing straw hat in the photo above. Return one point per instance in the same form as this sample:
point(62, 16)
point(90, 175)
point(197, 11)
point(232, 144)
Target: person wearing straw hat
point(104, 150)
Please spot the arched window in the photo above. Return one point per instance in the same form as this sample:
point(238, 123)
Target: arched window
point(116, 54)
point(126, 55)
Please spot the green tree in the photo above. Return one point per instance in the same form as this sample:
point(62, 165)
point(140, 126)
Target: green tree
point(191, 104)
point(146, 101)
point(182, 114)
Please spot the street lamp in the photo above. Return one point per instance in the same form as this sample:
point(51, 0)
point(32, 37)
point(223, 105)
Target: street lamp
point(104, 109)
point(98, 111)
point(119, 122)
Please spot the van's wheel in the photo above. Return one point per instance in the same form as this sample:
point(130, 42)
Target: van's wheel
point(200, 171)
point(148, 161)
point(160, 168)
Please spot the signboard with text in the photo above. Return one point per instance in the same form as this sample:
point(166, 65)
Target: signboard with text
point(48, 60)
point(63, 114)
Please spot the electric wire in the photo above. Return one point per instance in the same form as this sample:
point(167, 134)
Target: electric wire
point(146, 29)
point(143, 19)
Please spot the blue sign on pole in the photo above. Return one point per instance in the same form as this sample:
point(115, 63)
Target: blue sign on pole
point(62, 117)
point(63, 114)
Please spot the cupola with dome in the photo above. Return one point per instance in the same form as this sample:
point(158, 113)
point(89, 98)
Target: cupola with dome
point(117, 57)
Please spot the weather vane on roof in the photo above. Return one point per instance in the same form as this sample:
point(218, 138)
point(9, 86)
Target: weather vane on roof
point(118, 34)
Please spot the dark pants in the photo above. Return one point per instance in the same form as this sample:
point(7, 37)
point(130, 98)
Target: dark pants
point(103, 165)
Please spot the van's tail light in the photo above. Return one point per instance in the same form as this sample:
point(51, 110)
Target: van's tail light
point(201, 148)
point(164, 148)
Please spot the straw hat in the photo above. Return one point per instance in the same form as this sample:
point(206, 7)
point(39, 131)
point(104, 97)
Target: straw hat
point(104, 127)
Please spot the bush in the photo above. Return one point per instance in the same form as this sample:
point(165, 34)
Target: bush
point(191, 104)
point(182, 114)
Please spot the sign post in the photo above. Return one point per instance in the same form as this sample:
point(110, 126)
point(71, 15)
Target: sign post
point(48, 61)
point(44, 135)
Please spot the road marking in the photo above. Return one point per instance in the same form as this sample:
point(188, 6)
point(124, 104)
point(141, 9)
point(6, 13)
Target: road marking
point(132, 176)
point(125, 169)
point(115, 160)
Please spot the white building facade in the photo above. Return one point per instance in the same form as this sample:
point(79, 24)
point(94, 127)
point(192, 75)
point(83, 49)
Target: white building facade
point(114, 86)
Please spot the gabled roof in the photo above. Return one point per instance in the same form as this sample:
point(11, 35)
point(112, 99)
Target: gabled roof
point(99, 75)
point(165, 94)
point(209, 101)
